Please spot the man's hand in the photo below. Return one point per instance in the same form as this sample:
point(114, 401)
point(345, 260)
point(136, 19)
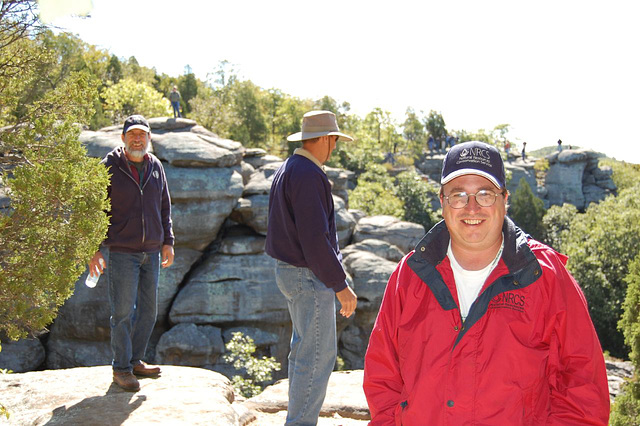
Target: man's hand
point(167, 256)
point(348, 300)
point(96, 264)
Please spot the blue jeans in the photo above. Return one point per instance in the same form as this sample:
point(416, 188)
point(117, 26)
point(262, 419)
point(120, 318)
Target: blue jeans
point(176, 109)
point(133, 298)
point(313, 341)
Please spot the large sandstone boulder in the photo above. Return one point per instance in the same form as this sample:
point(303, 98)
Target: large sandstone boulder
point(22, 355)
point(404, 235)
point(370, 274)
point(378, 247)
point(227, 288)
point(345, 398)
point(574, 177)
point(190, 344)
point(87, 396)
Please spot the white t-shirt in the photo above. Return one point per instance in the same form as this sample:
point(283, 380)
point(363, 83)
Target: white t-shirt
point(469, 283)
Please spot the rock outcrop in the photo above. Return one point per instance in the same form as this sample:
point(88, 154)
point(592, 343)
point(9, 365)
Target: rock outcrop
point(87, 396)
point(221, 280)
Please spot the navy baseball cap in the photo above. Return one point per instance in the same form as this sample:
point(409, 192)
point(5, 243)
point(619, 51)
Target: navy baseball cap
point(474, 158)
point(135, 122)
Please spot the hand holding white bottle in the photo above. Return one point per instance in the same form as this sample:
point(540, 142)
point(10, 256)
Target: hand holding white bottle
point(96, 266)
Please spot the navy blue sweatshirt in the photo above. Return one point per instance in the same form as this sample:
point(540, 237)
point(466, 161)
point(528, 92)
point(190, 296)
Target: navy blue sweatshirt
point(302, 222)
point(140, 214)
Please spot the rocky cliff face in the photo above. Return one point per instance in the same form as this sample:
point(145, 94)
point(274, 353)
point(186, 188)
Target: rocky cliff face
point(574, 177)
point(221, 281)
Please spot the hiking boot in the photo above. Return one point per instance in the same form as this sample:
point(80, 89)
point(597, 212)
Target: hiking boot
point(142, 369)
point(126, 381)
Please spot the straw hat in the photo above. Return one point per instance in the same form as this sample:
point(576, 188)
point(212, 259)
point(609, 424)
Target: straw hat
point(316, 124)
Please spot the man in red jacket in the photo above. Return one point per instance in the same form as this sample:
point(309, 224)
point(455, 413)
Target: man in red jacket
point(139, 241)
point(481, 324)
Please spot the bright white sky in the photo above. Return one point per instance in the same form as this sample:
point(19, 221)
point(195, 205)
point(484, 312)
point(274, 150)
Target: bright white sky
point(552, 69)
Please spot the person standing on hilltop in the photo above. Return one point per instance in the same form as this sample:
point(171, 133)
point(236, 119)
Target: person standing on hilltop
point(174, 97)
point(481, 324)
point(559, 145)
point(139, 241)
point(303, 239)
point(524, 152)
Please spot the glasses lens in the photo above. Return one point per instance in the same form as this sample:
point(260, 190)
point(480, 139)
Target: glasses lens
point(485, 198)
point(458, 200)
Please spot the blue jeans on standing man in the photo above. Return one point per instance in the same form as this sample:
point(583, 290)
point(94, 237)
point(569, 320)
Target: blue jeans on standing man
point(133, 298)
point(176, 109)
point(313, 341)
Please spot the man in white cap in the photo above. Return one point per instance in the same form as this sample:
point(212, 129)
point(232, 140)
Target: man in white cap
point(482, 324)
point(302, 237)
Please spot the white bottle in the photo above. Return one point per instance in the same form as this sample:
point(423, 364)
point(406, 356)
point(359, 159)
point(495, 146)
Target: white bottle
point(92, 280)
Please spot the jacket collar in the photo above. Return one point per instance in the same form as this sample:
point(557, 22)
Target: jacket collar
point(523, 269)
point(516, 255)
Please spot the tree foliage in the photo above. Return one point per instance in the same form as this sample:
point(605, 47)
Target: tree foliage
point(416, 196)
point(527, 210)
point(601, 243)
point(372, 194)
point(626, 410)
point(258, 370)
point(128, 97)
point(556, 222)
point(56, 219)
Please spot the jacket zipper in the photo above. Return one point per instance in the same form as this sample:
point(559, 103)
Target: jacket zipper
point(141, 197)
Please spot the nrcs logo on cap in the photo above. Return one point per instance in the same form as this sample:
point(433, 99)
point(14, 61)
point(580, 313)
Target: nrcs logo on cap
point(474, 158)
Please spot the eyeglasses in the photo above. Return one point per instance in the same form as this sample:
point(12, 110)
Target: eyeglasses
point(484, 198)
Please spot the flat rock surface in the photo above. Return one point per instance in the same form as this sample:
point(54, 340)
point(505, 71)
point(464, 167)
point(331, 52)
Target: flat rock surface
point(87, 396)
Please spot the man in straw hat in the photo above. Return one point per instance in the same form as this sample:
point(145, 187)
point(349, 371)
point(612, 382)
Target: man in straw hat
point(302, 237)
point(482, 324)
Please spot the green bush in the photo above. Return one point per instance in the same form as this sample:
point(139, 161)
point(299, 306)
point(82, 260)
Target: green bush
point(527, 210)
point(416, 196)
point(601, 243)
point(556, 223)
point(626, 410)
point(374, 194)
point(241, 349)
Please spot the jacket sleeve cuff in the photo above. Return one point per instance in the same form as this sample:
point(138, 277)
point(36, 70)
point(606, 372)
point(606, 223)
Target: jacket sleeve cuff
point(339, 287)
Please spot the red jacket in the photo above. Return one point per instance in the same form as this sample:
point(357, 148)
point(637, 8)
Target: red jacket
point(526, 355)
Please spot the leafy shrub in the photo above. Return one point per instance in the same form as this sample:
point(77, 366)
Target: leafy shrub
point(131, 97)
point(601, 243)
point(626, 410)
point(556, 222)
point(241, 350)
point(527, 210)
point(374, 194)
point(416, 196)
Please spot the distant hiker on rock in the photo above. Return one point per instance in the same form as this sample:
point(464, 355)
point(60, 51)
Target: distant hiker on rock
point(524, 152)
point(481, 324)
point(303, 239)
point(139, 241)
point(559, 145)
point(174, 97)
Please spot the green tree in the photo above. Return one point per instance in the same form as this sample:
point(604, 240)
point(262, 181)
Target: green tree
point(188, 87)
point(414, 132)
point(527, 210)
point(130, 97)
point(434, 123)
point(556, 223)
point(626, 410)
point(416, 196)
point(372, 194)
point(624, 175)
point(601, 243)
point(58, 195)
